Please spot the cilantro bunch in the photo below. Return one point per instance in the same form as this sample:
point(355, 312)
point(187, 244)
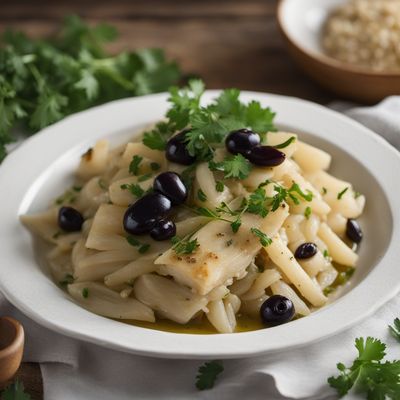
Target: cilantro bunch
point(43, 80)
point(369, 374)
point(207, 126)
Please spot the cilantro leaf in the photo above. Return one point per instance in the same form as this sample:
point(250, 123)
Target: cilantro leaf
point(201, 195)
point(236, 167)
point(395, 329)
point(368, 373)
point(257, 203)
point(15, 391)
point(265, 240)
point(208, 374)
point(135, 165)
point(258, 118)
point(340, 194)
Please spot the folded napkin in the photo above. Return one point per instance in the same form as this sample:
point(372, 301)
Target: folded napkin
point(76, 370)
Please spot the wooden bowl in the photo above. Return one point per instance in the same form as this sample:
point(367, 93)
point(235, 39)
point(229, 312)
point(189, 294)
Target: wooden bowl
point(301, 23)
point(11, 348)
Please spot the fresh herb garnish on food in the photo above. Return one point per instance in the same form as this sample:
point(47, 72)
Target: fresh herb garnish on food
point(144, 177)
point(69, 196)
point(134, 188)
point(43, 80)
point(155, 166)
point(236, 167)
point(307, 212)
point(135, 165)
point(201, 195)
point(326, 254)
point(324, 190)
point(142, 247)
point(395, 329)
point(340, 194)
point(257, 203)
point(285, 144)
point(219, 186)
point(369, 374)
point(265, 240)
point(85, 292)
point(208, 374)
point(207, 126)
point(68, 279)
point(15, 391)
point(184, 246)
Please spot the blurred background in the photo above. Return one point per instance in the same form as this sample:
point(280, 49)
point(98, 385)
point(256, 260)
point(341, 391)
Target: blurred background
point(229, 43)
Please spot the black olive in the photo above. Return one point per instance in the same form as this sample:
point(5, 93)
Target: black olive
point(163, 230)
point(276, 310)
point(69, 219)
point(265, 156)
point(170, 185)
point(142, 215)
point(176, 150)
point(241, 141)
point(353, 231)
point(306, 250)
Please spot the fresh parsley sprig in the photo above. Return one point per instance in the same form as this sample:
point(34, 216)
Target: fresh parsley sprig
point(142, 247)
point(208, 374)
point(369, 374)
point(207, 126)
point(43, 80)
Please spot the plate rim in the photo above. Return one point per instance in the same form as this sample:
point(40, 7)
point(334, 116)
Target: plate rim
point(189, 345)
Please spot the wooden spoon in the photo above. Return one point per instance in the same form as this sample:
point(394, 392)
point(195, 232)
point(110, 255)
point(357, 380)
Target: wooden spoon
point(12, 339)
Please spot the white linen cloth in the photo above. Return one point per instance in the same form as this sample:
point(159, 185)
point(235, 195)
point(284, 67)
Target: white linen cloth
point(74, 370)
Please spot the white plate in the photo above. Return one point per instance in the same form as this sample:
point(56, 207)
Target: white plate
point(42, 167)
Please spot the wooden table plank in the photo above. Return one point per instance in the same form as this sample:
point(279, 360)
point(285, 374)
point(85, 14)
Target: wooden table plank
point(229, 43)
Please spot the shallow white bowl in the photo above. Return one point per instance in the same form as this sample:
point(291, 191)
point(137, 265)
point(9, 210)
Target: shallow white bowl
point(42, 167)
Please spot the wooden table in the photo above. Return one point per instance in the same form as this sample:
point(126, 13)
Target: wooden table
point(229, 43)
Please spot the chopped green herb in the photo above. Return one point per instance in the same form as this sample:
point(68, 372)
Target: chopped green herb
point(142, 247)
point(76, 188)
point(184, 246)
point(395, 329)
point(208, 374)
point(340, 195)
point(144, 177)
point(286, 144)
point(307, 212)
point(326, 253)
point(235, 167)
point(102, 184)
point(264, 239)
point(219, 186)
point(357, 195)
point(135, 165)
point(235, 225)
point(257, 203)
point(324, 190)
point(134, 188)
point(68, 279)
point(155, 166)
point(201, 195)
point(344, 276)
point(328, 290)
point(69, 196)
point(85, 292)
point(369, 374)
point(15, 391)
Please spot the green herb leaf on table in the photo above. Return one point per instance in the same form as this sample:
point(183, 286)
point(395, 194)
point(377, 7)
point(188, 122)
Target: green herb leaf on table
point(208, 374)
point(395, 329)
point(44, 80)
point(15, 391)
point(369, 374)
